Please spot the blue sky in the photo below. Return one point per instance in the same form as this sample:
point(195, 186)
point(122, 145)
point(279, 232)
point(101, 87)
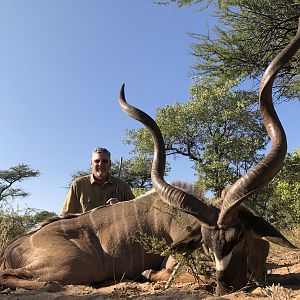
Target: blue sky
point(62, 64)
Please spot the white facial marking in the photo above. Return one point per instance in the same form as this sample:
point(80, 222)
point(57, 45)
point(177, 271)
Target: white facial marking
point(221, 264)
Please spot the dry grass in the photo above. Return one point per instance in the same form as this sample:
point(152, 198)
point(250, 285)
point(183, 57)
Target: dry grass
point(277, 292)
point(293, 235)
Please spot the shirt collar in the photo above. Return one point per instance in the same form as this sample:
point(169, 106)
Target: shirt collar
point(110, 179)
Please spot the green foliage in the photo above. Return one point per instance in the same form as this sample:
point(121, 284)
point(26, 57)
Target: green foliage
point(279, 202)
point(38, 216)
point(139, 191)
point(14, 223)
point(151, 243)
point(135, 171)
point(287, 191)
point(219, 129)
point(77, 174)
point(248, 36)
point(9, 178)
point(194, 262)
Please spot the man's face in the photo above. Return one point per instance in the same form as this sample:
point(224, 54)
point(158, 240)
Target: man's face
point(100, 164)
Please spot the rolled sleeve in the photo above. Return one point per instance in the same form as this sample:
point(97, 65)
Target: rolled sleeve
point(71, 204)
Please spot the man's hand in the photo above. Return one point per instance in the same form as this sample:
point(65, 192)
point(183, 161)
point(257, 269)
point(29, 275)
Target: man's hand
point(112, 201)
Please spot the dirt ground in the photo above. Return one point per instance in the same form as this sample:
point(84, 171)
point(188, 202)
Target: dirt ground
point(283, 283)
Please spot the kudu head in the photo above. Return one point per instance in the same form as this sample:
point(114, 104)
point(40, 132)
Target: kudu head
point(224, 229)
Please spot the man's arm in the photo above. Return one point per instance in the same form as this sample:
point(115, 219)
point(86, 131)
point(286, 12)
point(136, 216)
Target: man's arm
point(126, 193)
point(71, 203)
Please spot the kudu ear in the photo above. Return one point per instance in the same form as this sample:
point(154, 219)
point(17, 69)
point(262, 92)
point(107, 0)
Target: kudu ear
point(264, 229)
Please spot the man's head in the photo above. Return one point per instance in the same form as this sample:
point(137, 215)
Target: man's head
point(100, 163)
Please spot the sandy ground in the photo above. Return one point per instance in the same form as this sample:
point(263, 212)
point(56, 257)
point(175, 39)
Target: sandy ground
point(283, 284)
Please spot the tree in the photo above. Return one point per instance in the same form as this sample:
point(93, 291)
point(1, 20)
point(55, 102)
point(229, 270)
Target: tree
point(248, 36)
point(219, 129)
point(13, 222)
point(135, 171)
point(9, 178)
point(279, 201)
point(38, 216)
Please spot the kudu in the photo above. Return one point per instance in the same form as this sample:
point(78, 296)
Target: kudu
point(101, 244)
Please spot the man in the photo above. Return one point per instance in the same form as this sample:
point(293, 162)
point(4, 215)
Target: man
point(96, 189)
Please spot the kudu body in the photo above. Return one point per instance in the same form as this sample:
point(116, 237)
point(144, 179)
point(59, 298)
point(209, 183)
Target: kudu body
point(101, 244)
point(98, 245)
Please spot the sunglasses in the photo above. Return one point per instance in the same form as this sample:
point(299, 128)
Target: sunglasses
point(104, 161)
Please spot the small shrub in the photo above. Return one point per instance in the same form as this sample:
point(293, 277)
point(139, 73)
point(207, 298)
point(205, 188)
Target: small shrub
point(192, 262)
point(15, 222)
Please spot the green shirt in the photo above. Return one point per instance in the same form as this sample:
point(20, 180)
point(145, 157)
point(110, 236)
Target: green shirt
point(85, 194)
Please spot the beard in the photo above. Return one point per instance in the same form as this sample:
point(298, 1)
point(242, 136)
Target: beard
point(101, 173)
